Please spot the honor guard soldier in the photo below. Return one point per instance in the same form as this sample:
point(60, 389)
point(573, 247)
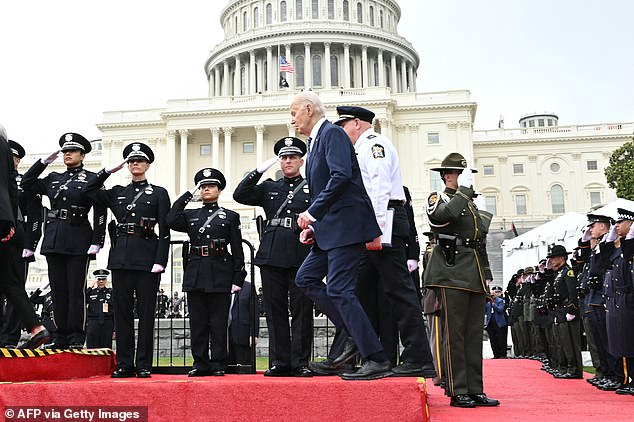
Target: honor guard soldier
point(279, 256)
point(30, 217)
point(69, 239)
point(457, 271)
point(138, 255)
point(213, 270)
point(391, 299)
point(100, 324)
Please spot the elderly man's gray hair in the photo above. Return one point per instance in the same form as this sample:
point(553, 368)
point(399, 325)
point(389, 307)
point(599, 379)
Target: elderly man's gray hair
point(306, 97)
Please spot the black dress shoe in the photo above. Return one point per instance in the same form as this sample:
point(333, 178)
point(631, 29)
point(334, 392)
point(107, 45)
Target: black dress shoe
point(462, 400)
point(37, 340)
point(123, 373)
point(482, 400)
point(143, 373)
point(75, 346)
point(278, 371)
point(326, 367)
point(217, 373)
point(302, 371)
point(56, 346)
point(198, 373)
point(625, 389)
point(408, 369)
point(349, 354)
point(370, 370)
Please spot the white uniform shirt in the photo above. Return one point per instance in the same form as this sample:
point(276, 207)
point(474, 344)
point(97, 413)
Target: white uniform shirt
point(380, 170)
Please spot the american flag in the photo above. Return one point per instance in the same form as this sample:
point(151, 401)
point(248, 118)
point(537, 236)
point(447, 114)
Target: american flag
point(286, 66)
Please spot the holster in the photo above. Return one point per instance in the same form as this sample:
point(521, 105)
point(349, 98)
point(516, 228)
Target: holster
point(112, 232)
point(447, 243)
point(259, 225)
point(148, 223)
point(185, 254)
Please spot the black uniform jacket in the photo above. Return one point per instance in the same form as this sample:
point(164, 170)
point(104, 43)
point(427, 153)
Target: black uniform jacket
point(138, 250)
point(67, 229)
point(215, 272)
point(31, 211)
point(95, 298)
point(280, 245)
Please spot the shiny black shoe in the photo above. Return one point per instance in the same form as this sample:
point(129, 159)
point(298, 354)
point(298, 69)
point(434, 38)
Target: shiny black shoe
point(198, 373)
point(217, 373)
point(278, 371)
point(462, 400)
point(75, 346)
point(56, 346)
point(482, 400)
point(370, 370)
point(123, 373)
point(143, 373)
point(37, 340)
point(625, 389)
point(302, 372)
point(326, 368)
point(408, 369)
point(349, 354)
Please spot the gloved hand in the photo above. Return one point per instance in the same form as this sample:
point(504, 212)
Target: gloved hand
point(412, 264)
point(114, 169)
point(27, 253)
point(569, 317)
point(480, 202)
point(263, 167)
point(586, 235)
point(93, 250)
point(612, 235)
point(630, 234)
point(50, 158)
point(549, 264)
point(157, 268)
point(6, 231)
point(466, 178)
point(235, 288)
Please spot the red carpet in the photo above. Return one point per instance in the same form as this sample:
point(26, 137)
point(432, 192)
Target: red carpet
point(528, 394)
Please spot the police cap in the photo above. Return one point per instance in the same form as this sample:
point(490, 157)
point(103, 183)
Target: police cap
point(101, 273)
point(289, 146)
point(623, 214)
point(352, 112)
point(74, 141)
point(496, 288)
point(210, 176)
point(16, 149)
point(138, 150)
point(598, 218)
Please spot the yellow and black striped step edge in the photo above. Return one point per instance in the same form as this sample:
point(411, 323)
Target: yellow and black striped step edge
point(28, 353)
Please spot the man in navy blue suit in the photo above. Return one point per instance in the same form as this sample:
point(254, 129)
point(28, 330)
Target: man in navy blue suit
point(338, 223)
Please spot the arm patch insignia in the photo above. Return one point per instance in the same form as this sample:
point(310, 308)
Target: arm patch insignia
point(378, 151)
point(571, 273)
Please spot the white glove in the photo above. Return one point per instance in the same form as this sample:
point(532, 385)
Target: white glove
point(569, 317)
point(93, 250)
point(480, 202)
point(157, 268)
point(27, 253)
point(114, 169)
point(612, 235)
point(3, 133)
point(466, 178)
point(263, 167)
point(412, 264)
point(235, 288)
point(630, 234)
point(587, 235)
point(50, 158)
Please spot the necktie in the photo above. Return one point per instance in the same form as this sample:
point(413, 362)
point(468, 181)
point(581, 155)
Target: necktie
point(308, 141)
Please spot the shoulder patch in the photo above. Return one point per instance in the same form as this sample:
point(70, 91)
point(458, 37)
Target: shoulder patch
point(433, 198)
point(378, 151)
point(571, 273)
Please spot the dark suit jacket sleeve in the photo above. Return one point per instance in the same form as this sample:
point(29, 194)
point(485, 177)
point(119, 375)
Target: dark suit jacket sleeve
point(248, 192)
point(413, 246)
point(6, 206)
point(337, 151)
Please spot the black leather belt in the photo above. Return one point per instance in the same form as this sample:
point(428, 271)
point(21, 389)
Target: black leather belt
point(216, 248)
point(130, 229)
point(64, 214)
point(281, 222)
point(395, 203)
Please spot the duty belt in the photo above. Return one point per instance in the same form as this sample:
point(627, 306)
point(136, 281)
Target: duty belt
point(216, 248)
point(131, 229)
point(281, 222)
point(64, 214)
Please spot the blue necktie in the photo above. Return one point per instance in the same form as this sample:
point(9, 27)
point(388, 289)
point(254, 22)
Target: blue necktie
point(308, 141)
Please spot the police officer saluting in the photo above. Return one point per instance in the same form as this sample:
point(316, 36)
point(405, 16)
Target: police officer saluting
point(69, 240)
point(100, 322)
point(214, 269)
point(137, 255)
point(279, 256)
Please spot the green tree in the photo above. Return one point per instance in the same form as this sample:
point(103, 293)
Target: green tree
point(620, 172)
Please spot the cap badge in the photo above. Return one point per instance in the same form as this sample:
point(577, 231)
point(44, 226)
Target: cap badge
point(288, 142)
point(206, 172)
point(463, 163)
point(136, 147)
point(68, 137)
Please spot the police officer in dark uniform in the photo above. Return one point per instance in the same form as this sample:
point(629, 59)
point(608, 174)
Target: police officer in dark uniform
point(214, 269)
point(138, 255)
point(30, 217)
point(100, 324)
point(69, 239)
point(162, 302)
point(279, 256)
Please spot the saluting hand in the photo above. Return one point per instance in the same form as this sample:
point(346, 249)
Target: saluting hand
point(50, 158)
point(114, 169)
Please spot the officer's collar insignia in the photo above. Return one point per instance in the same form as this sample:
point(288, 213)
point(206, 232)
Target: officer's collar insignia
point(222, 214)
point(136, 147)
point(149, 190)
point(68, 137)
point(378, 151)
point(206, 172)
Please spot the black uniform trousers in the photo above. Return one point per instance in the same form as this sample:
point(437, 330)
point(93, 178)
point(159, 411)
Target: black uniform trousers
point(208, 321)
point(99, 333)
point(397, 294)
point(12, 327)
point(461, 314)
point(67, 275)
point(124, 284)
point(611, 368)
point(497, 337)
point(289, 347)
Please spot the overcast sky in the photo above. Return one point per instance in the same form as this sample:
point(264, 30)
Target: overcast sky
point(66, 62)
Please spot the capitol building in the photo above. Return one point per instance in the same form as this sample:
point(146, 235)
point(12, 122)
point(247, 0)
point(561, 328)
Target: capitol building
point(350, 53)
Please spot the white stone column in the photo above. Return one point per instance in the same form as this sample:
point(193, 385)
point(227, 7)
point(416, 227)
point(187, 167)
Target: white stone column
point(290, 77)
point(252, 72)
point(291, 129)
point(381, 66)
point(403, 75)
point(237, 78)
point(364, 66)
point(171, 162)
point(393, 80)
point(328, 80)
point(271, 69)
point(215, 147)
point(183, 168)
point(225, 87)
point(412, 80)
point(210, 91)
point(259, 143)
point(308, 66)
point(346, 66)
point(227, 169)
point(217, 87)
